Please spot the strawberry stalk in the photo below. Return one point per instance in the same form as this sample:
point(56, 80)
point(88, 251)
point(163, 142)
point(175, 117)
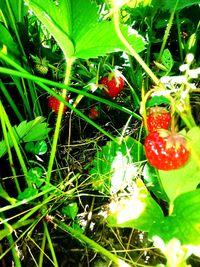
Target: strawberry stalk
point(70, 62)
point(185, 113)
point(128, 45)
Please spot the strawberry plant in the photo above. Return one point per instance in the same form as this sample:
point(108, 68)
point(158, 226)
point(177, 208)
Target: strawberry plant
point(115, 180)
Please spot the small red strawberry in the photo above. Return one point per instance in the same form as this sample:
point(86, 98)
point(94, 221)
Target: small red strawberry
point(114, 84)
point(93, 113)
point(54, 103)
point(166, 150)
point(158, 118)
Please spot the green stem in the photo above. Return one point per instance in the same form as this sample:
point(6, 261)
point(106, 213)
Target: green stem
point(14, 141)
point(5, 195)
point(186, 113)
point(188, 119)
point(46, 232)
point(40, 264)
point(179, 37)
point(131, 49)
point(134, 95)
point(14, 23)
point(36, 208)
point(149, 23)
point(5, 135)
point(42, 81)
point(11, 243)
point(22, 91)
point(171, 207)
point(11, 101)
point(58, 121)
point(169, 25)
point(92, 244)
point(11, 228)
point(20, 203)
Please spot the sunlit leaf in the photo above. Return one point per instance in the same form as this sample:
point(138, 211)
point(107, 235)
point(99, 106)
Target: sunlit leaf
point(135, 3)
point(139, 210)
point(116, 165)
point(76, 27)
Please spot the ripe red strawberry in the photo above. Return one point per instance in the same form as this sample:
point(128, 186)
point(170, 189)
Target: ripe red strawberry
point(54, 103)
point(93, 113)
point(165, 150)
point(158, 118)
point(114, 84)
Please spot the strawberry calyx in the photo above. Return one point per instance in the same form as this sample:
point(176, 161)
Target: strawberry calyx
point(173, 139)
point(116, 76)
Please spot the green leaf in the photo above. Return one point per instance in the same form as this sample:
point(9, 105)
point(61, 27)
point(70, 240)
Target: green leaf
point(169, 4)
point(152, 182)
point(167, 60)
point(27, 193)
point(7, 40)
point(184, 222)
point(136, 3)
point(34, 130)
point(48, 187)
point(102, 39)
point(5, 195)
point(71, 210)
point(30, 147)
point(34, 176)
point(191, 44)
point(116, 165)
point(76, 226)
point(56, 16)
point(40, 147)
point(13, 11)
point(156, 101)
point(139, 210)
point(76, 27)
point(187, 178)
